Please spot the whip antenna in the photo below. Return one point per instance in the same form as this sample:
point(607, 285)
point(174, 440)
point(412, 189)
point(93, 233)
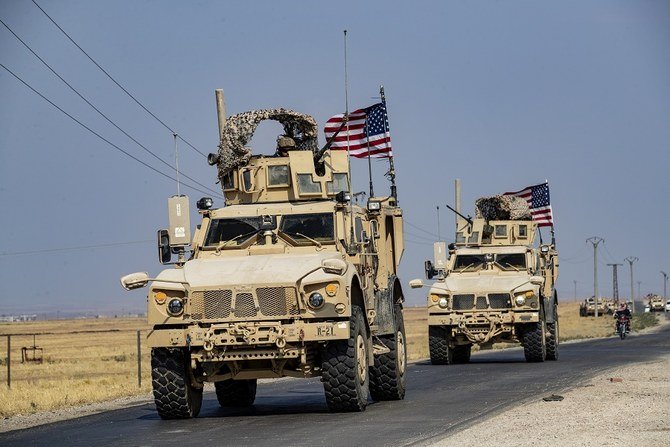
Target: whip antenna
point(176, 160)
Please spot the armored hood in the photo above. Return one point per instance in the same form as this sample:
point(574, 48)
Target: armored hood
point(484, 283)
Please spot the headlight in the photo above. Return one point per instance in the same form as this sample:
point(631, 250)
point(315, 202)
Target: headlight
point(520, 299)
point(443, 303)
point(315, 300)
point(175, 307)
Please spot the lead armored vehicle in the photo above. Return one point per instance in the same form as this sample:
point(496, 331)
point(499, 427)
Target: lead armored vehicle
point(289, 279)
point(496, 285)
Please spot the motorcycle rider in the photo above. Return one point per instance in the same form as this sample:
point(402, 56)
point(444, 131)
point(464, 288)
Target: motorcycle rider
point(623, 311)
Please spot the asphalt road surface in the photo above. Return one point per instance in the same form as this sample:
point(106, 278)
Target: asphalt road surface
point(440, 400)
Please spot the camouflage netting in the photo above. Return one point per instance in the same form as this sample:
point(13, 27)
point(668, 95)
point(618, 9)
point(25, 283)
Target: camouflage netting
point(502, 208)
point(241, 127)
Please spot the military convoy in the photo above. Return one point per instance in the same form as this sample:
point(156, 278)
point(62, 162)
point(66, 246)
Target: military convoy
point(497, 284)
point(290, 278)
point(655, 302)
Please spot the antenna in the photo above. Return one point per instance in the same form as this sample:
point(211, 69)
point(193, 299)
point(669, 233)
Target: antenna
point(439, 238)
point(351, 249)
point(176, 160)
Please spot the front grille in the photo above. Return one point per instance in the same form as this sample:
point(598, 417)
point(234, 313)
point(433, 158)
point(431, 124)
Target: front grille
point(274, 301)
point(500, 301)
point(481, 303)
point(244, 305)
point(463, 302)
point(265, 302)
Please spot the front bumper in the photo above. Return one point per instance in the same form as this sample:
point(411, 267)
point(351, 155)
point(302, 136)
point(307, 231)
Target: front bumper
point(258, 334)
point(482, 327)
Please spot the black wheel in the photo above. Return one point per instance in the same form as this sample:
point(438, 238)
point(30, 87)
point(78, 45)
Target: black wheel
point(236, 393)
point(174, 395)
point(552, 337)
point(534, 342)
point(387, 375)
point(438, 345)
point(344, 368)
point(622, 330)
point(461, 353)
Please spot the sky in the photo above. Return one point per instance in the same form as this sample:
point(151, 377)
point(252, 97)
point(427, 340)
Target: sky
point(501, 95)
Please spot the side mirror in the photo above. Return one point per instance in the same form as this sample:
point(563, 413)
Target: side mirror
point(343, 197)
point(430, 270)
point(365, 239)
point(335, 266)
point(416, 284)
point(135, 280)
point(164, 252)
point(536, 280)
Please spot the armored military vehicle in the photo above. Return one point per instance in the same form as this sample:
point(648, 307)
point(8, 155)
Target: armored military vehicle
point(587, 308)
point(496, 285)
point(290, 278)
point(655, 303)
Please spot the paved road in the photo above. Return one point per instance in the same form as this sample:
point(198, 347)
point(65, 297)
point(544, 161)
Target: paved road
point(440, 400)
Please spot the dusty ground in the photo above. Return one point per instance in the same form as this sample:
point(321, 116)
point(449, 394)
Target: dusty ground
point(587, 416)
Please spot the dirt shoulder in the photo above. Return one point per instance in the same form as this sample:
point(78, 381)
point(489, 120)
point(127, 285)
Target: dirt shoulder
point(622, 407)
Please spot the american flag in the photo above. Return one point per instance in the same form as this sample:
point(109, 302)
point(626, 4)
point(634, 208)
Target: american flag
point(538, 200)
point(368, 125)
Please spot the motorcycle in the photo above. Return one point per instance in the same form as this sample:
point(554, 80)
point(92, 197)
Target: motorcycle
point(622, 326)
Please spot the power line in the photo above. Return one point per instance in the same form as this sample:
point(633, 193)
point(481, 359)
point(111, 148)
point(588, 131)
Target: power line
point(99, 111)
point(117, 83)
point(97, 134)
point(83, 247)
point(420, 229)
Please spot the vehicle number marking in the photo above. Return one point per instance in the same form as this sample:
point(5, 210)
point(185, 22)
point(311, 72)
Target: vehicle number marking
point(325, 331)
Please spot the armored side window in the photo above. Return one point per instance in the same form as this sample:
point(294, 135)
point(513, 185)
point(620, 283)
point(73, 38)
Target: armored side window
point(460, 238)
point(474, 237)
point(229, 182)
point(501, 231)
point(340, 183)
point(307, 186)
point(248, 180)
point(358, 224)
point(523, 231)
point(278, 176)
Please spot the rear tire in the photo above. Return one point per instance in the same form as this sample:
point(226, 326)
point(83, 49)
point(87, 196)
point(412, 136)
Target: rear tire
point(344, 368)
point(461, 353)
point(438, 345)
point(534, 342)
point(236, 393)
point(387, 376)
point(552, 337)
point(174, 395)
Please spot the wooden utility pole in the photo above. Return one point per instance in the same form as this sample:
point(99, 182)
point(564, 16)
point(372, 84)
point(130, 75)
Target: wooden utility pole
point(595, 240)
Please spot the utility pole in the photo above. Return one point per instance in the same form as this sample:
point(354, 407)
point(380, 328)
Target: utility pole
point(615, 282)
point(665, 284)
point(639, 285)
point(574, 281)
point(595, 240)
point(630, 260)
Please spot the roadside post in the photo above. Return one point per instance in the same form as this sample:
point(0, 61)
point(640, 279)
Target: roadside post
point(9, 361)
point(139, 360)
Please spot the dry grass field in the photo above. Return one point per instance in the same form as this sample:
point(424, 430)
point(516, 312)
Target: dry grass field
point(92, 360)
point(84, 361)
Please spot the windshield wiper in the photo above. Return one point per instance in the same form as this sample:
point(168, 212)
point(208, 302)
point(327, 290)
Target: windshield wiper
point(514, 267)
point(466, 267)
point(314, 241)
point(223, 244)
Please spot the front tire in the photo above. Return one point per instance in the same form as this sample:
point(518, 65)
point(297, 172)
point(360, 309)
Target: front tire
point(174, 395)
point(552, 337)
point(461, 353)
point(344, 368)
point(236, 393)
point(387, 376)
point(438, 345)
point(534, 342)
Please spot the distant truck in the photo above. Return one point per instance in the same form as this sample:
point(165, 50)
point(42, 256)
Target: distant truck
point(497, 285)
point(656, 303)
point(587, 308)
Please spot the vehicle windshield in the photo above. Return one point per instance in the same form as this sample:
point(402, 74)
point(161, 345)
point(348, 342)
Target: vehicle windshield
point(511, 261)
point(308, 228)
point(505, 261)
point(232, 232)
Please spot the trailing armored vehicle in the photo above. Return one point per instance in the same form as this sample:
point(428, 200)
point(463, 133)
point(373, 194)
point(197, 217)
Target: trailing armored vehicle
point(655, 303)
point(497, 284)
point(587, 308)
point(290, 278)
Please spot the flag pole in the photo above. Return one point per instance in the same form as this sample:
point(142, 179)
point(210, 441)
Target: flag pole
point(391, 173)
point(372, 191)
